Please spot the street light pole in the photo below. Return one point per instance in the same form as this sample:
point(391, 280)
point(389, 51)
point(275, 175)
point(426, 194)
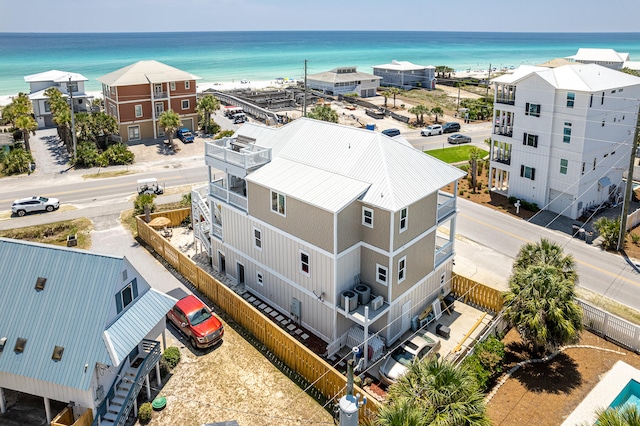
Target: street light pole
point(628, 190)
point(73, 123)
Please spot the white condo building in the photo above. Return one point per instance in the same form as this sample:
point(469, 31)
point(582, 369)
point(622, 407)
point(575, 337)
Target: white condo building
point(562, 136)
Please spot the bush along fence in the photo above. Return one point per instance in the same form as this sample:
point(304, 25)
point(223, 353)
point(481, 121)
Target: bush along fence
point(327, 381)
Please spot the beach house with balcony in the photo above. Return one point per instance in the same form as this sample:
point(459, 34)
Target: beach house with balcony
point(137, 94)
point(70, 85)
point(343, 81)
point(335, 227)
point(77, 327)
point(606, 57)
point(405, 75)
point(562, 136)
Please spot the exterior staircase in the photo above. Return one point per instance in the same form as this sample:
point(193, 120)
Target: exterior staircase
point(201, 216)
point(116, 407)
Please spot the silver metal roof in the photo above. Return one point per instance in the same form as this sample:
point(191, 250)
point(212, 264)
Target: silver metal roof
point(71, 311)
point(145, 72)
point(397, 174)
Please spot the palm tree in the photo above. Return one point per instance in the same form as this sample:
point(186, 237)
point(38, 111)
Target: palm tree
point(475, 154)
point(26, 124)
point(547, 253)
point(404, 413)
point(444, 393)
point(541, 304)
point(625, 415)
point(206, 106)
point(437, 111)
point(419, 111)
point(394, 91)
point(170, 122)
point(104, 125)
point(387, 94)
point(323, 112)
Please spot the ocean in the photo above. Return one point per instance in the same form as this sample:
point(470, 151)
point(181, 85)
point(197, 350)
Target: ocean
point(267, 55)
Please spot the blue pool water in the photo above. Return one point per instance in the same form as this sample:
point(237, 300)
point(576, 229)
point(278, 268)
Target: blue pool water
point(629, 395)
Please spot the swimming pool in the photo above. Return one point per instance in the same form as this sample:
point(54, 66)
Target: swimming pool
point(630, 394)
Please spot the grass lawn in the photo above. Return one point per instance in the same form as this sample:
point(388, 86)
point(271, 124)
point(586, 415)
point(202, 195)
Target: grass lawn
point(54, 233)
point(454, 154)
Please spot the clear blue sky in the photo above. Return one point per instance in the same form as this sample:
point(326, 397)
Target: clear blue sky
point(246, 15)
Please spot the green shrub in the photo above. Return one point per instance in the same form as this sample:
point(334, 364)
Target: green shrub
point(143, 200)
point(487, 361)
point(479, 186)
point(118, 154)
point(635, 238)
point(172, 356)
point(164, 367)
point(609, 230)
point(224, 134)
point(144, 413)
point(461, 192)
point(87, 155)
point(464, 167)
point(15, 162)
point(512, 200)
point(486, 191)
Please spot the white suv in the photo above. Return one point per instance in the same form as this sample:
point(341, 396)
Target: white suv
point(434, 129)
point(34, 204)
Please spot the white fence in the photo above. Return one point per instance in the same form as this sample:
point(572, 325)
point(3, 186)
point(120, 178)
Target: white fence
point(633, 219)
point(614, 328)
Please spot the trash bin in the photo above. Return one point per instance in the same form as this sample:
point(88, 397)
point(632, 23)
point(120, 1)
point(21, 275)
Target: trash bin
point(581, 233)
point(72, 240)
point(575, 229)
point(588, 237)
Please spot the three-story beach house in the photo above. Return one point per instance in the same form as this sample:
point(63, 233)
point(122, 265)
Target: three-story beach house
point(77, 327)
point(137, 94)
point(562, 136)
point(71, 85)
point(334, 226)
point(406, 75)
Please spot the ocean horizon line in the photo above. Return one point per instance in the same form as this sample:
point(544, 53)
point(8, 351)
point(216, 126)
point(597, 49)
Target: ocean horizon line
point(319, 31)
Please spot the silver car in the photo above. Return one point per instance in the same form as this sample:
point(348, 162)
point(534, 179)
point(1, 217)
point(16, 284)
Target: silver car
point(418, 347)
point(34, 204)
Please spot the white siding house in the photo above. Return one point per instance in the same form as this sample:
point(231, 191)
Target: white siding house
point(343, 81)
point(312, 214)
point(562, 136)
point(406, 75)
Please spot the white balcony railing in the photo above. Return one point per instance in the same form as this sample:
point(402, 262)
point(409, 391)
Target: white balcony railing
point(446, 205)
point(443, 253)
point(246, 158)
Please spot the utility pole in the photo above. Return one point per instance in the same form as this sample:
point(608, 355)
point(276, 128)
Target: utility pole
point(488, 78)
point(304, 100)
point(628, 190)
point(73, 123)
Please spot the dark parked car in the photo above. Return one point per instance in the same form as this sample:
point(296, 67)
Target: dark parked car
point(391, 132)
point(451, 127)
point(458, 138)
point(185, 135)
point(196, 321)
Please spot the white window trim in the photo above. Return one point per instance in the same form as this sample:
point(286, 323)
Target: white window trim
point(259, 278)
point(386, 270)
point(277, 210)
point(255, 239)
point(172, 85)
point(187, 85)
point(139, 106)
point(129, 134)
point(402, 260)
point(182, 103)
point(406, 220)
point(367, 209)
point(302, 271)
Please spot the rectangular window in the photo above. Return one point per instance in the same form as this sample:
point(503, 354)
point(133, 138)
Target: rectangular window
point(47, 106)
point(566, 133)
point(528, 172)
point(532, 110)
point(259, 278)
point(173, 85)
point(564, 165)
point(134, 133)
point(304, 262)
point(531, 140)
point(138, 111)
point(381, 274)
point(126, 295)
point(278, 203)
point(571, 97)
point(402, 263)
point(367, 217)
point(187, 85)
point(403, 219)
point(257, 238)
point(583, 166)
point(185, 104)
point(602, 99)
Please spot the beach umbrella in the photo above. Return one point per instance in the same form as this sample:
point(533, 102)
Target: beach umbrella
point(160, 222)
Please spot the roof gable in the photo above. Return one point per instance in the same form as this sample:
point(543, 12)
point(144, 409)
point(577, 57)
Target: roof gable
point(145, 72)
point(55, 76)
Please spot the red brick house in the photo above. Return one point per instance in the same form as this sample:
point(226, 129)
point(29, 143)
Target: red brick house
point(136, 95)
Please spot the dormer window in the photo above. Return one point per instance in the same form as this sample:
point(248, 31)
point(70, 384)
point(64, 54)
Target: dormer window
point(20, 344)
point(57, 353)
point(40, 283)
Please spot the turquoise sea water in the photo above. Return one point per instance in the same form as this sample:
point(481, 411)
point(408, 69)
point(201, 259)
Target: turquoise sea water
point(259, 55)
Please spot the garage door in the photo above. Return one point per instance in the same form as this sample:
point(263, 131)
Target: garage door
point(188, 123)
point(559, 202)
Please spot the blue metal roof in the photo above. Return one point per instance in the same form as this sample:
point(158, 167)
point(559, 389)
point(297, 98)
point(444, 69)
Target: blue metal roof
point(72, 311)
point(131, 327)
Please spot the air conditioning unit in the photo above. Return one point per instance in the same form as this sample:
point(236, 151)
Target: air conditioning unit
point(349, 301)
point(364, 293)
point(377, 302)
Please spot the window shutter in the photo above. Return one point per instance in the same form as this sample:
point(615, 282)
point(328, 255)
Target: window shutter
point(526, 109)
point(538, 110)
point(535, 141)
point(522, 171)
point(134, 287)
point(533, 174)
point(524, 140)
point(118, 303)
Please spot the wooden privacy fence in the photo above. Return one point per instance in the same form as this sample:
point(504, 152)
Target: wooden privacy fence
point(474, 293)
point(324, 378)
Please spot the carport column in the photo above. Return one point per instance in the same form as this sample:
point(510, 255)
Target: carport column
point(146, 382)
point(365, 349)
point(3, 404)
point(164, 337)
point(158, 378)
point(135, 407)
point(47, 409)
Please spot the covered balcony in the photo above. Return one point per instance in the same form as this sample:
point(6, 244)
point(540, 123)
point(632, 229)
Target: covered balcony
point(231, 189)
point(501, 152)
point(446, 205)
point(237, 156)
point(505, 94)
point(504, 122)
point(444, 248)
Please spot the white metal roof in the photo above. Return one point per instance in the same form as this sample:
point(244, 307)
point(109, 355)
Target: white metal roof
point(145, 72)
point(395, 173)
point(600, 55)
point(333, 76)
point(575, 76)
point(403, 66)
point(56, 76)
point(41, 95)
